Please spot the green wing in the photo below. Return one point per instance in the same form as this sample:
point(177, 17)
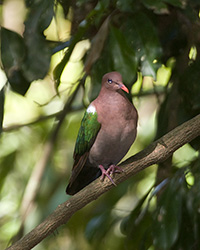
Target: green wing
point(87, 133)
point(85, 139)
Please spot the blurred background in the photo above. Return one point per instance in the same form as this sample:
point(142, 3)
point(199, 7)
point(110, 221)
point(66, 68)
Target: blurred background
point(53, 56)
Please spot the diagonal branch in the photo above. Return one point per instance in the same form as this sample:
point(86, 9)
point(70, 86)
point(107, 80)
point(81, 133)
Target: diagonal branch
point(156, 152)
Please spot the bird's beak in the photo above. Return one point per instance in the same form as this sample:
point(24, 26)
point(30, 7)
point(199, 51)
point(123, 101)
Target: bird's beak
point(123, 87)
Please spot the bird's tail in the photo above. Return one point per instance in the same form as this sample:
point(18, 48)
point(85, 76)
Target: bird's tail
point(85, 177)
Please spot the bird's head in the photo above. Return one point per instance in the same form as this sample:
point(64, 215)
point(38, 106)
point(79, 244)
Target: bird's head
point(113, 81)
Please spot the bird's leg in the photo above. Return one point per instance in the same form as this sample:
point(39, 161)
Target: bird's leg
point(111, 170)
point(105, 173)
point(114, 169)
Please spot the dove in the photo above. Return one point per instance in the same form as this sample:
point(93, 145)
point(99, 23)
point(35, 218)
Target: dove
point(107, 131)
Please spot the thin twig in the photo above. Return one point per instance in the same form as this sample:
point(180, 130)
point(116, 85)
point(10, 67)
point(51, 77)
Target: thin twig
point(39, 119)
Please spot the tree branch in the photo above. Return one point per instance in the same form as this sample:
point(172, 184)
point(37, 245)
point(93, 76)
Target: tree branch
point(156, 152)
point(39, 119)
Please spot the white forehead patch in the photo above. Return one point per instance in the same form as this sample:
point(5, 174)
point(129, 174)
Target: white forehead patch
point(91, 109)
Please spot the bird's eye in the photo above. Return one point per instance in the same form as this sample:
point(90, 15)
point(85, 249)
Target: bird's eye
point(109, 81)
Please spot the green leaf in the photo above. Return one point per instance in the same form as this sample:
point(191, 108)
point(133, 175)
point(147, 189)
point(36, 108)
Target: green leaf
point(2, 99)
point(98, 42)
point(127, 5)
point(39, 53)
point(83, 27)
point(131, 219)
point(190, 94)
point(12, 54)
point(103, 65)
point(190, 218)
point(122, 54)
point(167, 216)
point(38, 58)
point(159, 7)
point(139, 221)
point(28, 59)
point(146, 46)
point(12, 49)
point(190, 88)
point(60, 67)
point(193, 195)
point(7, 165)
point(176, 3)
point(103, 221)
point(40, 15)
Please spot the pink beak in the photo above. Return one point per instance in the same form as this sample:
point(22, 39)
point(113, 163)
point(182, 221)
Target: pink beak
point(123, 87)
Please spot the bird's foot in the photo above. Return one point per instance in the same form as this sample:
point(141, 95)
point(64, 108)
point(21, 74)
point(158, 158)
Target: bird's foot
point(114, 169)
point(111, 170)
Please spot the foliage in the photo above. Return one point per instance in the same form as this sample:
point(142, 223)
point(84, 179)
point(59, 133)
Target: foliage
point(155, 45)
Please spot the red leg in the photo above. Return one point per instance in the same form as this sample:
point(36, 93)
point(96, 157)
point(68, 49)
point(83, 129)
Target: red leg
point(114, 169)
point(111, 170)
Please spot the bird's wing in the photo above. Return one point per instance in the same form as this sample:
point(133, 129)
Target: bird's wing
point(85, 139)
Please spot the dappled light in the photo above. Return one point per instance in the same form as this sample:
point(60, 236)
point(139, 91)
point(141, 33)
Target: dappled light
point(53, 57)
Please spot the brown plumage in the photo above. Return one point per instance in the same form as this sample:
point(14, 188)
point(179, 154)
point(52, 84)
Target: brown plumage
point(111, 139)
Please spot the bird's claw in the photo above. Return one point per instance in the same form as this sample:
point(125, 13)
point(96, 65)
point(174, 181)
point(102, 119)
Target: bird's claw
point(114, 169)
point(111, 170)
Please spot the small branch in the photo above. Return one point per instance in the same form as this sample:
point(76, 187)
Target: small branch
point(156, 152)
point(39, 119)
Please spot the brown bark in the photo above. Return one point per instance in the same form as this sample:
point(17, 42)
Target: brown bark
point(156, 152)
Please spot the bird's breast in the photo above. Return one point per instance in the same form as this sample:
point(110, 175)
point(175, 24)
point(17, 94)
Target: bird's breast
point(113, 140)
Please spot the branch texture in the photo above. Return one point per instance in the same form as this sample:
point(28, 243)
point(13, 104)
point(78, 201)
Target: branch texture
point(156, 152)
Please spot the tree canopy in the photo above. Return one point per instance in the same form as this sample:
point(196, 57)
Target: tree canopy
point(53, 56)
